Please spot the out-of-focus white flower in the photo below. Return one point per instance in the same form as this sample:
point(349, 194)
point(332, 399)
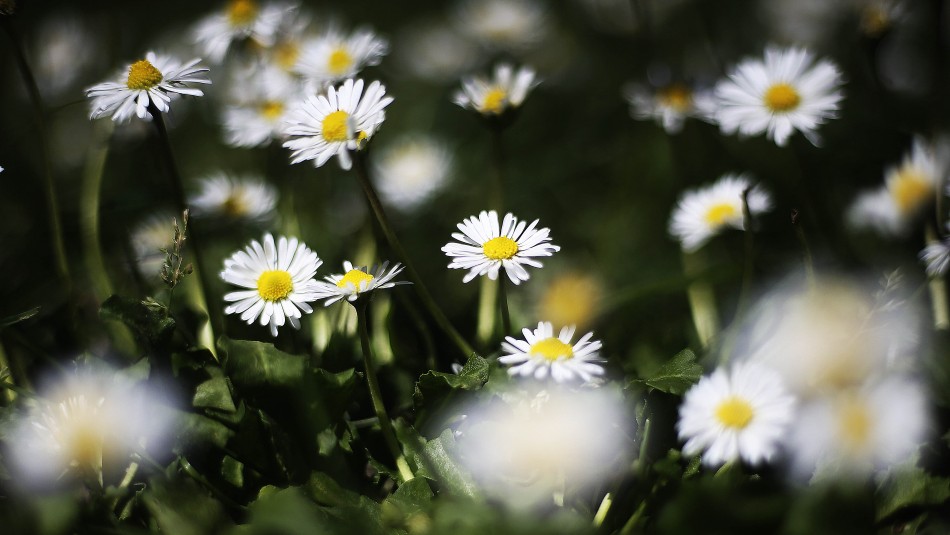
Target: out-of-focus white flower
point(65, 50)
point(259, 104)
point(355, 282)
point(571, 298)
point(508, 24)
point(334, 124)
point(908, 189)
point(435, 52)
point(879, 16)
point(803, 22)
point(701, 214)
point(670, 105)
point(148, 239)
point(335, 56)
point(742, 412)
point(155, 80)
point(411, 170)
point(785, 91)
point(541, 354)
point(235, 198)
point(483, 247)
point(241, 19)
point(936, 256)
point(859, 430)
point(506, 90)
point(535, 443)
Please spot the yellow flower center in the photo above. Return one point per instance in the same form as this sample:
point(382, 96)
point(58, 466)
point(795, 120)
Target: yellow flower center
point(274, 285)
point(676, 96)
point(875, 21)
point(335, 127)
point(734, 412)
point(552, 349)
point(85, 445)
point(781, 98)
point(500, 248)
point(272, 109)
point(234, 206)
point(910, 189)
point(719, 214)
point(495, 100)
point(286, 54)
point(242, 12)
point(855, 422)
point(355, 277)
point(143, 75)
point(340, 61)
point(570, 300)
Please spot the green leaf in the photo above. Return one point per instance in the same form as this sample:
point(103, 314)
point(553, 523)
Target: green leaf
point(412, 496)
point(195, 430)
point(232, 470)
point(146, 319)
point(439, 460)
point(909, 486)
point(17, 318)
point(180, 506)
point(215, 393)
point(676, 376)
point(434, 388)
point(256, 365)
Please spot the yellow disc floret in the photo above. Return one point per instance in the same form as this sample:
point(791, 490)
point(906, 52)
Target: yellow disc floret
point(720, 214)
point(676, 96)
point(734, 412)
point(552, 349)
point(335, 127)
point(286, 54)
point(910, 189)
point(356, 278)
point(272, 109)
point(143, 75)
point(274, 285)
point(340, 62)
point(242, 12)
point(495, 99)
point(500, 248)
point(781, 98)
point(855, 422)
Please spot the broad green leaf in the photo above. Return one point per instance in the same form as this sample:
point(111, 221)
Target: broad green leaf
point(232, 470)
point(182, 507)
point(406, 507)
point(215, 393)
point(909, 486)
point(433, 388)
point(677, 375)
point(441, 465)
point(196, 430)
point(255, 365)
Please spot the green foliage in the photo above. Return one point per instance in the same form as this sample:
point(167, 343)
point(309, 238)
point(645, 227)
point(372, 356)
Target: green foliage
point(676, 375)
point(910, 487)
point(254, 365)
point(148, 320)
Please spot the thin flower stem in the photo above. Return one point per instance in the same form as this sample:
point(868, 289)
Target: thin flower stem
point(427, 301)
point(503, 305)
point(385, 425)
point(602, 511)
point(496, 198)
point(745, 289)
point(702, 301)
point(487, 311)
point(938, 288)
point(59, 248)
point(89, 205)
point(807, 259)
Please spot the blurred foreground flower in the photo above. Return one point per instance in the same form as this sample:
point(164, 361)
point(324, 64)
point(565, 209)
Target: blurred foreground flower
point(260, 99)
point(538, 443)
point(704, 213)
point(148, 239)
point(670, 105)
point(410, 171)
point(335, 56)
point(334, 124)
point(355, 282)
point(279, 279)
point(785, 92)
point(486, 248)
point(241, 19)
point(572, 298)
point(742, 412)
point(235, 198)
point(541, 353)
point(154, 81)
point(505, 91)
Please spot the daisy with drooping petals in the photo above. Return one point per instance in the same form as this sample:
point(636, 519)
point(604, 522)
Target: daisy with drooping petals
point(334, 124)
point(738, 413)
point(701, 214)
point(154, 80)
point(355, 282)
point(235, 198)
point(336, 56)
point(258, 105)
point(785, 92)
point(410, 171)
point(487, 247)
point(505, 91)
point(541, 354)
point(242, 19)
point(669, 105)
point(278, 279)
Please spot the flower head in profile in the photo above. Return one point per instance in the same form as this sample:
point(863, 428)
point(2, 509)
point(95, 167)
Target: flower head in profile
point(153, 81)
point(701, 214)
point(669, 105)
point(410, 171)
point(784, 92)
point(357, 281)
point(235, 198)
point(334, 124)
point(258, 103)
point(278, 281)
point(541, 354)
point(240, 19)
point(505, 91)
point(739, 413)
point(336, 56)
point(484, 247)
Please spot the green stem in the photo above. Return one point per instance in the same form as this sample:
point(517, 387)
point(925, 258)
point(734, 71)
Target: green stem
point(385, 424)
point(702, 301)
point(496, 198)
point(602, 511)
point(428, 302)
point(487, 306)
point(89, 203)
point(807, 259)
point(503, 304)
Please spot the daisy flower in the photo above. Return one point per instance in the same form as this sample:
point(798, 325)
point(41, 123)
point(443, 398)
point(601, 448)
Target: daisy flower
point(787, 91)
point(738, 413)
point(669, 106)
point(703, 213)
point(541, 353)
point(411, 170)
point(241, 19)
point(936, 256)
point(335, 56)
point(278, 279)
point(154, 80)
point(357, 281)
point(485, 247)
point(908, 189)
point(248, 198)
point(260, 103)
point(510, 24)
point(148, 239)
point(334, 124)
point(572, 298)
point(505, 91)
